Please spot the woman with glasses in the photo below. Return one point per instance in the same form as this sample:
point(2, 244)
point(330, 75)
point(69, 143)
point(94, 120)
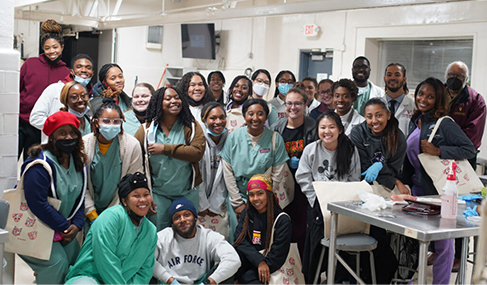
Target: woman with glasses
point(261, 82)
point(74, 97)
point(111, 154)
point(297, 131)
point(285, 80)
point(325, 96)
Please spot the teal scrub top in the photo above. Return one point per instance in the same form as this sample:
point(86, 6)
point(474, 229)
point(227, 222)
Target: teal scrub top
point(69, 184)
point(273, 117)
point(116, 251)
point(172, 177)
point(131, 124)
point(247, 160)
point(105, 173)
point(122, 105)
point(87, 129)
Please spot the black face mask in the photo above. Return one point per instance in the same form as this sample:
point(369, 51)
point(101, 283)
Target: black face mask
point(136, 218)
point(454, 84)
point(53, 62)
point(66, 145)
point(193, 102)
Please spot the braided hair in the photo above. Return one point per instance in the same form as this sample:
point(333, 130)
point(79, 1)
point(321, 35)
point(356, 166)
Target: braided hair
point(155, 112)
point(107, 103)
point(50, 29)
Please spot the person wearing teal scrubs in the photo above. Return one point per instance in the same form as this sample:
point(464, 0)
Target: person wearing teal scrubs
point(74, 97)
point(250, 150)
point(140, 101)
point(111, 154)
point(174, 143)
point(63, 153)
point(120, 246)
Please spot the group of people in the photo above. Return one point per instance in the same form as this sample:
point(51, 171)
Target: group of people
point(177, 184)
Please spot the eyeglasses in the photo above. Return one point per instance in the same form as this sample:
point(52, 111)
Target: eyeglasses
point(325, 92)
point(295, 104)
point(284, 81)
point(107, 121)
point(260, 80)
point(76, 97)
point(360, 67)
point(459, 76)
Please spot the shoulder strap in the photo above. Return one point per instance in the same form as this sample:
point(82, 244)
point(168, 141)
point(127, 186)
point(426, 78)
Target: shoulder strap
point(48, 169)
point(274, 226)
point(437, 125)
point(193, 127)
point(273, 142)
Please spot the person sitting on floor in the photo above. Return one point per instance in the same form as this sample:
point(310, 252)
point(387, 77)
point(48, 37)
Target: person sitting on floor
point(186, 252)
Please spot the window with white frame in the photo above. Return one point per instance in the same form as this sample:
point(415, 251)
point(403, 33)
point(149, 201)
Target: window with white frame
point(424, 58)
point(154, 37)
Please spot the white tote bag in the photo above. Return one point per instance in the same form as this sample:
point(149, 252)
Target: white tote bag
point(283, 189)
point(218, 223)
point(290, 271)
point(437, 169)
point(28, 235)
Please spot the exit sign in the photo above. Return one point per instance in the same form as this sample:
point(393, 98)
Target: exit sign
point(311, 30)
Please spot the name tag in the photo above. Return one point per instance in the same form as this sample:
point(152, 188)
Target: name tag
point(265, 150)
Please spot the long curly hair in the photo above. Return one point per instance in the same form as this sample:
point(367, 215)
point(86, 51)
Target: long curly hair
point(50, 29)
point(155, 112)
point(183, 86)
point(78, 154)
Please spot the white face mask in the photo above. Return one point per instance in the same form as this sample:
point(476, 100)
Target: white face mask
point(260, 89)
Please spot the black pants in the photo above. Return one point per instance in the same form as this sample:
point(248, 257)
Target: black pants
point(28, 136)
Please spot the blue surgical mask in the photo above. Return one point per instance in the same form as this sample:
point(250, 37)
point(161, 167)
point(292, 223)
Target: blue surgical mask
point(82, 81)
point(284, 88)
point(78, 114)
point(215, 134)
point(109, 132)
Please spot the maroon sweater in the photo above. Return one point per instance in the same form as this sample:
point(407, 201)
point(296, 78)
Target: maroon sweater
point(35, 75)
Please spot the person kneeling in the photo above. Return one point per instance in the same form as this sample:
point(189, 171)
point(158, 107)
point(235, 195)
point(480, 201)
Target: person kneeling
point(119, 248)
point(186, 252)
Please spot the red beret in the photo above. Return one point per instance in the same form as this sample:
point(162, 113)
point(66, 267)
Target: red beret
point(57, 120)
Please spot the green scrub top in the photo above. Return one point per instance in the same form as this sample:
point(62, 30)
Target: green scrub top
point(105, 173)
point(172, 177)
point(122, 105)
point(115, 251)
point(247, 160)
point(69, 184)
point(87, 129)
point(131, 124)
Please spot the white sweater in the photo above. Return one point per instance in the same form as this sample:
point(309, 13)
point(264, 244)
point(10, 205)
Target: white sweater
point(188, 260)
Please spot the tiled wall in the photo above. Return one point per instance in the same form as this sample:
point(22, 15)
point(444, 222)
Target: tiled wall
point(9, 114)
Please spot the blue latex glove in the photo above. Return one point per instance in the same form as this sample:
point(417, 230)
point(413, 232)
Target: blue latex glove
point(372, 172)
point(469, 212)
point(294, 162)
point(471, 197)
point(175, 282)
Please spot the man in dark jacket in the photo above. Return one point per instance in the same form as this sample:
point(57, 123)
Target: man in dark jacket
point(467, 108)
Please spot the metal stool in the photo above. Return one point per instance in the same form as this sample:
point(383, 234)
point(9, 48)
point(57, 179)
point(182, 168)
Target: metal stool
point(352, 244)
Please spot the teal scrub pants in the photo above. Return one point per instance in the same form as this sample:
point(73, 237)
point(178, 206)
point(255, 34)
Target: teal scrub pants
point(54, 270)
point(162, 219)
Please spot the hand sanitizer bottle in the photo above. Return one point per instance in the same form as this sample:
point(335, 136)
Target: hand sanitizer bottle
point(449, 196)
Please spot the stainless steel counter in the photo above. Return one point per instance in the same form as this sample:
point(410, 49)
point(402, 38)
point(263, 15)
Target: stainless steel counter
point(420, 227)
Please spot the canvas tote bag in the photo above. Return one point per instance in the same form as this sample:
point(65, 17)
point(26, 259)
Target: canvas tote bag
point(218, 223)
point(28, 235)
point(284, 189)
point(290, 271)
point(437, 168)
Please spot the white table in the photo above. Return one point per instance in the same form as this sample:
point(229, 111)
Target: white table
point(420, 227)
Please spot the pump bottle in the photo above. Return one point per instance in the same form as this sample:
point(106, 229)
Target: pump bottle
point(449, 196)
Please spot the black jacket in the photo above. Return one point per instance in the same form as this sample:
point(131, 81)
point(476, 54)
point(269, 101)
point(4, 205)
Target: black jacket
point(280, 247)
point(309, 128)
point(451, 140)
point(371, 150)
